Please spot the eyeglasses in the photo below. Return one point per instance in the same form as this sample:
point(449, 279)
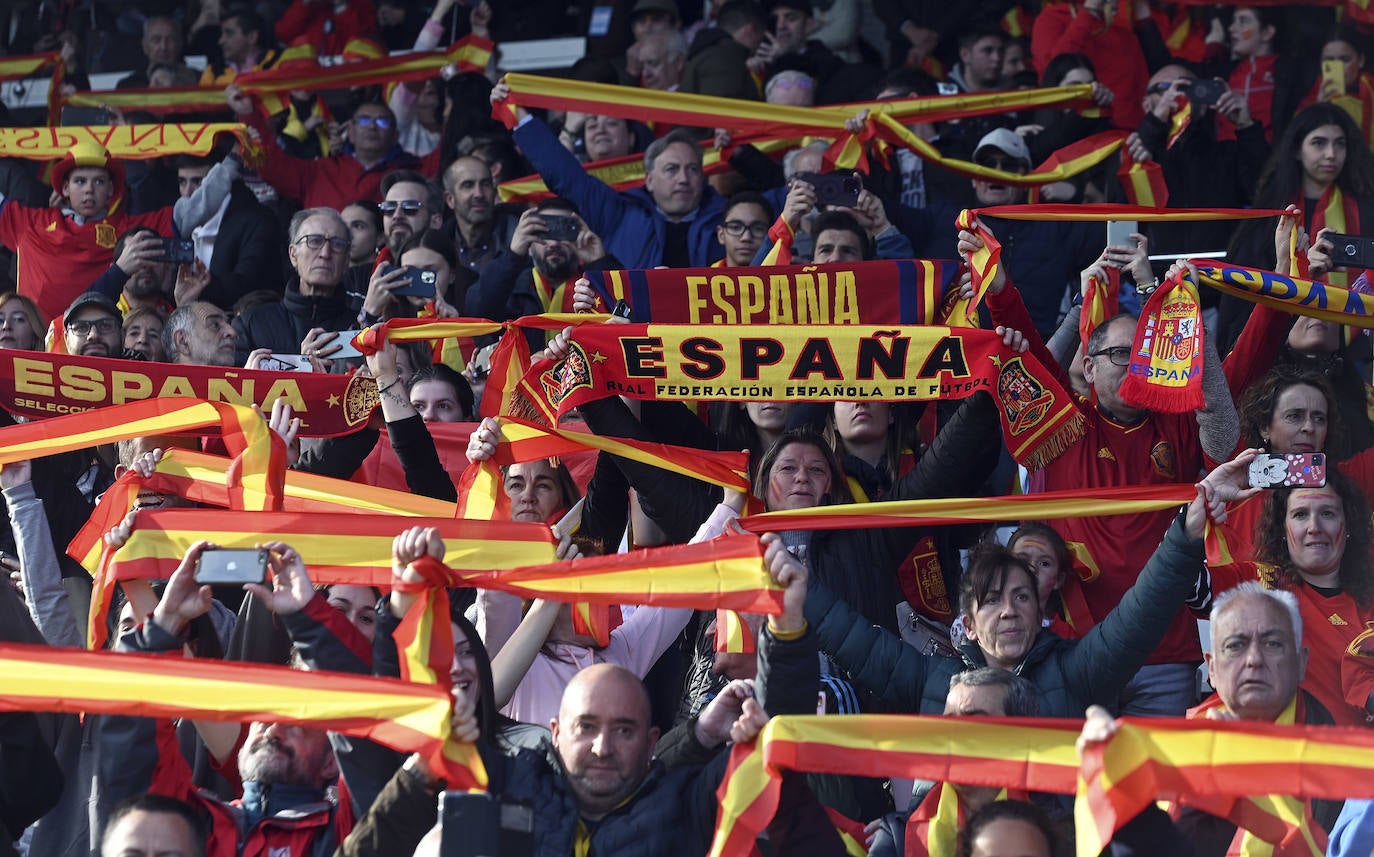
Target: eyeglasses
point(408, 206)
point(100, 325)
point(379, 121)
point(1120, 355)
point(317, 242)
point(1006, 165)
point(737, 228)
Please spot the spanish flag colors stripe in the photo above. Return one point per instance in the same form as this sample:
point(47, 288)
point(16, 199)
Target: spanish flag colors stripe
point(177, 99)
point(1045, 506)
point(1024, 753)
point(336, 548)
point(1110, 211)
point(14, 68)
point(399, 714)
point(1152, 759)
point(471, 53)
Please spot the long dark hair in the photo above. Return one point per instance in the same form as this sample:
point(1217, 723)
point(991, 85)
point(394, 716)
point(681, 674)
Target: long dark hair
point(1281, 181)
point(488, 718)
point(1271, 538)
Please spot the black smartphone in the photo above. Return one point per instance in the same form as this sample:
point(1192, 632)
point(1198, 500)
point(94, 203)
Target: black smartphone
point(622, 310)
point(479, 825)
point(559, 227)
point(177, 251)
point(834, 188)
point(85, 116)
point(231, 566)
point(1351, 251)
point(1206, 91)
point(422, 284)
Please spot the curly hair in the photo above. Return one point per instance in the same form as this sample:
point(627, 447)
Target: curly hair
point(1271, 538)
point(1261, 399)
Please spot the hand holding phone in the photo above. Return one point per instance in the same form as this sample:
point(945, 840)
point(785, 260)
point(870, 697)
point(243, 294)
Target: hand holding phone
point(231, 566)
point(1289, 470)
point(840, 189)
point(1333, 76)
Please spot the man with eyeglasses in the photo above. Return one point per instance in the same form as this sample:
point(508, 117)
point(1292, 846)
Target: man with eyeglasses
point(743, 230)
point(1124, 445)
point(356, 173)
point(93, 327)
point(313, 310)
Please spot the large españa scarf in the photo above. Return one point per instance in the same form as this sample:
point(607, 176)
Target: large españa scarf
point(762, 363)
point(1289, 294)
point(1165, 373)
point(132, 142)
point(880, 292)
point(39, 384)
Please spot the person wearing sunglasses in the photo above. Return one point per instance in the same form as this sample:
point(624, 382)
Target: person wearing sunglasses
point(371, 151)
point(313, 310)
point(93, 327)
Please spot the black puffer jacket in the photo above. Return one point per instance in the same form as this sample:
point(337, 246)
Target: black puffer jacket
point(1069, 675)
point(281, 326)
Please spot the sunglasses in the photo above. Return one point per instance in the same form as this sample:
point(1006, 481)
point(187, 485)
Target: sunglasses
point(408, 206)
point(379, 121)
point(1006, 165)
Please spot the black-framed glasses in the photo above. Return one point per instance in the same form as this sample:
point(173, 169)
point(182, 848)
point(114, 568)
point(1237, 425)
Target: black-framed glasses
point(737, 228)
point(379, 121)
point(407, 206)
point(1120, 355)
point(317, 242)
point(100, 325)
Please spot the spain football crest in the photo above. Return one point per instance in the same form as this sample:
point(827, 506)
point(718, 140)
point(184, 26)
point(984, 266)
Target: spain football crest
point(568, 375)
point(1025, 401)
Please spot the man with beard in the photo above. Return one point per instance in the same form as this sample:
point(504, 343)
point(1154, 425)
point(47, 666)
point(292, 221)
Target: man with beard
point(201, 334)
point(93, 327)
point(411, 206)
point(481, 229)
point(140, 275)
point(286, 808)
point(537, 274)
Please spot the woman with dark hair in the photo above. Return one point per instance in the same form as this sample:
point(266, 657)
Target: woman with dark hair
point(1314, 542)
point(440, 395)
point(1046, 553)
point(1353, 88)
point(1051, 129)
point(1320, 166)
point(1303, 344)
point(1003, 629)
point(1006, 827)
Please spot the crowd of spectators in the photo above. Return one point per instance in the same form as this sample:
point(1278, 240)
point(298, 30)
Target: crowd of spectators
point(355, 206)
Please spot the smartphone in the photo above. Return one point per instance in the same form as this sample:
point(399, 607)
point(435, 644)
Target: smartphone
point(344, 340)
point(231, 566)
point(1351, 251)
point(476, 824)
point(834, 188)
point(85, 116)
point(422, 284)
point(1292, 470)
point(1206, 91)
point(559, 227)
point(1119, 233)
point(287, 363)
point(1334, 71)
point(177, 251)
point(622, 310)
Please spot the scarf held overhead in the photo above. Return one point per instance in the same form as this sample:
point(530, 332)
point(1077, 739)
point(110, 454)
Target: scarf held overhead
point(818, 363)
point(38, 384)
point(880, 292)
